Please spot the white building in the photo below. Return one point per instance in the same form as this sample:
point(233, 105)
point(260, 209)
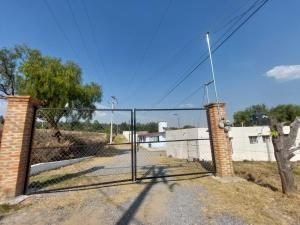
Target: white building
point(248, 143)
point(152, 140)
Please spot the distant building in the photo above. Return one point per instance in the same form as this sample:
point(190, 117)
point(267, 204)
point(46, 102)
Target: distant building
point(248, 143)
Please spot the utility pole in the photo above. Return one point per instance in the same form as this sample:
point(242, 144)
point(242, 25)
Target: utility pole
point(113, 102)
point(213, 73)
point(206, 90)
point(177, 116)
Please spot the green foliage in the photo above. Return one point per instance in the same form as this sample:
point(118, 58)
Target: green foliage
point(26, 71)
point(9, 62)
point(56, 85)
point(151, 127)
point(244, 117)
point(188, 126)
point(285, 113)
point(274, 132)
point(282, 113)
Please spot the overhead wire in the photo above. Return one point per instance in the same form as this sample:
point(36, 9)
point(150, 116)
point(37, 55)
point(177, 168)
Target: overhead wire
point(85, 9)
point(228, 20)
point(207, 56)
point(60, 28)
point(155, 33)
point(81, 36)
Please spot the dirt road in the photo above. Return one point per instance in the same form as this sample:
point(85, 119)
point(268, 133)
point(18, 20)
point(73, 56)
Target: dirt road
point(173, 200)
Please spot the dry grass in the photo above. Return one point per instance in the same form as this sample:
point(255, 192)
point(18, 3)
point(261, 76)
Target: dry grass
point(77, 174)
point(119, 139)
point(264, 173)
point(255, 202)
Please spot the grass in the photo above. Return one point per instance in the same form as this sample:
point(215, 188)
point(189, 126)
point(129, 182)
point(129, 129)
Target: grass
point(6, 208)
point(119, 139)
point(264, 173)
point(255, 202)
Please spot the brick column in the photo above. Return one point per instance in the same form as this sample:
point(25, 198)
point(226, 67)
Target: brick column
point(221, 150)
point(15, 145)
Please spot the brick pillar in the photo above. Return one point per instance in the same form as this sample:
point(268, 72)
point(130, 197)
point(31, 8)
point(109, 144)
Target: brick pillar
point(221, 150)
point(15, 145)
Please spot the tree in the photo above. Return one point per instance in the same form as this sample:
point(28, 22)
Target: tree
point(285, 113)
point(188, 126)
point(10, 59)
point(57, 85)
point(284, 148)
point(253, 115)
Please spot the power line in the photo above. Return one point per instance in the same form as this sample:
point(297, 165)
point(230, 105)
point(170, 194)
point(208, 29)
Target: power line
point(214, 50)
point(60, 27)
point(190, 95)
point(93, 35)
point(77, 26)
point(233, 20)
point(81, 34)
point(141, 61)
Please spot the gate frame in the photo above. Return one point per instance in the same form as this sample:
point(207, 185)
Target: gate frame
point(36, 108)
point(135, 110)
point(14, 152)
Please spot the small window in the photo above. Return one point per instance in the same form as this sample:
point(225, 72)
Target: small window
point(266, 138)
point(253, 139)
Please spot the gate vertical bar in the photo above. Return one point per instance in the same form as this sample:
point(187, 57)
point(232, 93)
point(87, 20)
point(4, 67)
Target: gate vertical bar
point(134, 140)
point(132, 146)
point(30, 151)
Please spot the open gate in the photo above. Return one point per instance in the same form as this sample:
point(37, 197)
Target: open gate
point(71, 147)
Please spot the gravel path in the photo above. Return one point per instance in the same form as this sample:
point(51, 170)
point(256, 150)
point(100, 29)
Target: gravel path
point(162, 201)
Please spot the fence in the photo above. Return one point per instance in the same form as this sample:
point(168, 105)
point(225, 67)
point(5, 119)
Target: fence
point(49, 149)
point(71, 148)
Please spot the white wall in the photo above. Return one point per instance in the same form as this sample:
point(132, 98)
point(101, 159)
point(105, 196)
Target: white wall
point(241, 146)
point(194, 149)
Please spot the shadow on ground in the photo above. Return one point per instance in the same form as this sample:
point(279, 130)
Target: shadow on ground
point(37, 185)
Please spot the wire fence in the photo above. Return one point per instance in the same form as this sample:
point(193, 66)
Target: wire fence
point(71, 148)
point(179, 146)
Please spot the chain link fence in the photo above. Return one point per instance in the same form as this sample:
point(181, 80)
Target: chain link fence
point(180, 144)
point(71, 148)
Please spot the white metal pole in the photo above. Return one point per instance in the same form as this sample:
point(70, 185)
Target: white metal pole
point(207, 97)
point(213, 72)
point(111, 122)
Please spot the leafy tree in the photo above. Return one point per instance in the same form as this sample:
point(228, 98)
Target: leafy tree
point(188, 126)
point(285, 113)
point(150, 127)
point(253, 115)
point(57, 85)
point(10, 59)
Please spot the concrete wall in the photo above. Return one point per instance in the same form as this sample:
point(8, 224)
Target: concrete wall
point(241, 146)
point(41, 167)
point(182, 149)
point(262, 150)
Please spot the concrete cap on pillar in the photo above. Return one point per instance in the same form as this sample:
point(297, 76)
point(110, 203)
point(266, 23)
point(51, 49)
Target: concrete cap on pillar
point(214, 104)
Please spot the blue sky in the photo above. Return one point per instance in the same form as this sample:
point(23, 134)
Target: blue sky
point(124, 50)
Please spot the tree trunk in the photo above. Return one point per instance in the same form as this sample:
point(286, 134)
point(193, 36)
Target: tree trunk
point(284, 168)
point(284, 148)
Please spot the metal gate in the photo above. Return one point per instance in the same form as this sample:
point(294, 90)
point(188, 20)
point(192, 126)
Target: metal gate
point(71, 147)
point(180, 146)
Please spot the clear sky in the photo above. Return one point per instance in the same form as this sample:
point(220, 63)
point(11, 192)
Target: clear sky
point(137, 49)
